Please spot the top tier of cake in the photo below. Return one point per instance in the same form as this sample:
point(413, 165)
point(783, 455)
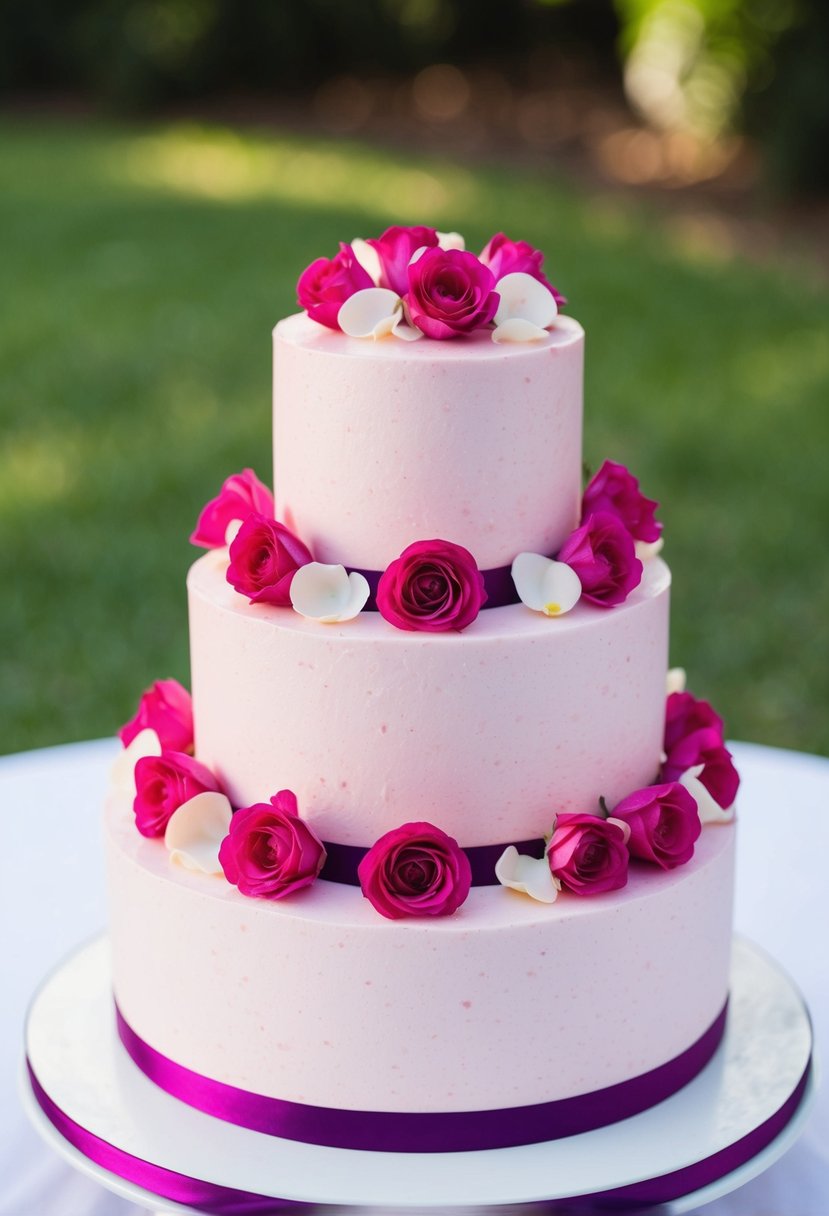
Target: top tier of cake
point(379, 444)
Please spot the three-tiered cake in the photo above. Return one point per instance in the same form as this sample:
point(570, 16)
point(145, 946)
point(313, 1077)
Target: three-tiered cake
point(441, 873)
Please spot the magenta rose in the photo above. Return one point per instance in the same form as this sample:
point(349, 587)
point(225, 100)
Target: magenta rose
point(240, 495)
point(588, 854)
point(432, 586)
point(450, 293)
point(395, 248)
point(664, 824)
point(602, 553)
point(162, 784)
point(264, 557)
point(705, 747)
point(269, 851)
point(415, 870)
point(328, 282)
point(684, 714)
point(166, 708)
point(616, 490)
point(504, 256)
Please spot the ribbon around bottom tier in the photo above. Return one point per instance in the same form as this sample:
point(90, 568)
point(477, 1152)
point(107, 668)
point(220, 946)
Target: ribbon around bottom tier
point(218, 1200)
point(168, 1184)
point(422, 1131)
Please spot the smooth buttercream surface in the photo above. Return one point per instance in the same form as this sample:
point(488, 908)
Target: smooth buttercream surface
point(317, 999)
point(379, 444)
point(487, 733)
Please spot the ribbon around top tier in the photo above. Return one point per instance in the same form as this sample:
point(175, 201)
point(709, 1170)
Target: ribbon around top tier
point(422, 1131)
point(498, 584)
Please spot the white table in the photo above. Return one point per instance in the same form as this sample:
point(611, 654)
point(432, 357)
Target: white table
point(52, 899)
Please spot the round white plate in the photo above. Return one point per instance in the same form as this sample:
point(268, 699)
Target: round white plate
point(73, 1048)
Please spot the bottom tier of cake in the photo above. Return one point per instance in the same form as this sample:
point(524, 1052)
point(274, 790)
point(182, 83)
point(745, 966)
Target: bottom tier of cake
point(315, 1001)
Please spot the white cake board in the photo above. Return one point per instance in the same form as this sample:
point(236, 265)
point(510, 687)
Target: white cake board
point(75, 1053)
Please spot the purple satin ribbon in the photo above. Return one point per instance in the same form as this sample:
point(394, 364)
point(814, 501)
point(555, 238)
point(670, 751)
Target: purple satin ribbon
point(227, 1201)
point(168, 1184)
point(691, 1177)
point(342, 860)
point(426, 1131)
point(498, 584)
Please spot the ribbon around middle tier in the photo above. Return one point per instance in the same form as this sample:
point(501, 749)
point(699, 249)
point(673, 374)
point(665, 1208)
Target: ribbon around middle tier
point(498, 584)
point(342, 860)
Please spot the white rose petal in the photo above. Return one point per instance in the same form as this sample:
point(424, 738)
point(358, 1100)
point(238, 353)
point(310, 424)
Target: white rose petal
point(196, 830)
point(529, 875)
point(232, 531)
point(402, 329)
point(328, 593)
point(545, 585)
point(676, 680)
point(518, 330)
point(646, 549)
point(368, 258)
point(708, 808)
point(370, 313)
point(122, 773)
point(382, 329)
point(451, 240)
point(525, 299)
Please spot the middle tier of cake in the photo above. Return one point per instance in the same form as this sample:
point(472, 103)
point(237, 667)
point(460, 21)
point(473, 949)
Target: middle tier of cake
point(488, 734)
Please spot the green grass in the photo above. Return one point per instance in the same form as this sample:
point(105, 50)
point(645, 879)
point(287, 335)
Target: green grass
point(141, 273)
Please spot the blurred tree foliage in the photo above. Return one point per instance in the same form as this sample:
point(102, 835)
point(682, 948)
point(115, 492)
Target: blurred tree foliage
point(716, 66)
point(708, 66)
point(791, 113)
point(136, 53)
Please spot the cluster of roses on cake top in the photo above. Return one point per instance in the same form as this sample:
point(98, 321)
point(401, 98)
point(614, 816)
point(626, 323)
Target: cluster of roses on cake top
point(268, 851)
point(415, 282)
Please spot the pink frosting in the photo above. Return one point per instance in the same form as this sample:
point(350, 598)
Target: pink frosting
point(486, 733)
point(508, 1002)
point(379, 444)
